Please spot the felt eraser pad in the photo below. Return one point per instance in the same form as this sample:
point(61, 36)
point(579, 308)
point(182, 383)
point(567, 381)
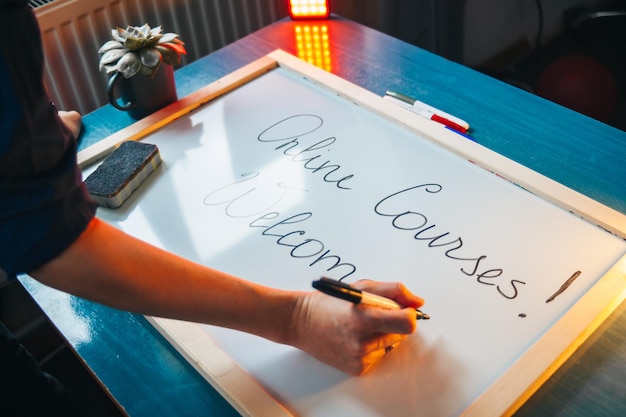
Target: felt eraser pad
point(122, 172)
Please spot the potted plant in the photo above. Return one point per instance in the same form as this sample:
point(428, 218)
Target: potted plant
point(134, 57)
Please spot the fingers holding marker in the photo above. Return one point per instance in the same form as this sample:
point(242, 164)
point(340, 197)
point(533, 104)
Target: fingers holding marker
point(396, 291)
point(381, 321)
point(356, 295)
point(378, 325)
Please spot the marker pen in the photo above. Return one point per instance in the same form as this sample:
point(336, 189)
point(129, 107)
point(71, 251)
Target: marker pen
point(346, 292)
point(428, 112)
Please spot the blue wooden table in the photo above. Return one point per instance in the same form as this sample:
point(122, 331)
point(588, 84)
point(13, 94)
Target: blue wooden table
point(148, 377)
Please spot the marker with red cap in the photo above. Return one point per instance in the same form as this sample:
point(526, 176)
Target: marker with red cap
point(428, 112)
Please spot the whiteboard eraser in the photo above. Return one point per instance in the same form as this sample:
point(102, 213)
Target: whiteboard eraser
point(122, 172)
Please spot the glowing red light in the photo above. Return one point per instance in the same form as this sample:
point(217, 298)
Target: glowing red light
point(309, 9)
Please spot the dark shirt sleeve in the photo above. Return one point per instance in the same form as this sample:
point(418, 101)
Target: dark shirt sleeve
point(44, 205)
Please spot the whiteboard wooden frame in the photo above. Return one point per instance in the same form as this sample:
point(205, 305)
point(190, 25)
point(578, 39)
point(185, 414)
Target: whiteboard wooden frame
point(513, 387)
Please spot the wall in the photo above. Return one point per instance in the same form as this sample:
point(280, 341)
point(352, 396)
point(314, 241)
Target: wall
point(467, 31)
point(434, 25)
point(493, 26)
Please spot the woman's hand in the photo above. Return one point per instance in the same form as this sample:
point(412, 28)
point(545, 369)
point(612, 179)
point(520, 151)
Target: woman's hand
point(72, 120)
point(353, 337)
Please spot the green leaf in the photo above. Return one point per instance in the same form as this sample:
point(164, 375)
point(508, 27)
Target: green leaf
point(156, 31)
point(150, 57)
point(109, 46)
point(144, 30)
point(168, 37)
point(129, 64)
point(112, 57)
point(170, 57)
point(151, 41)
point(118, 34)
point(110, 68)
point(134, 44)
point(148, 71)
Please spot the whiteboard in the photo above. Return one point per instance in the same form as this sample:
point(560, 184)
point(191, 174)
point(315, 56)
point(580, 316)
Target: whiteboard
point(283, 180)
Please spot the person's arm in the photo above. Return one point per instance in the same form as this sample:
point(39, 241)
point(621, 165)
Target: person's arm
point(108, 266)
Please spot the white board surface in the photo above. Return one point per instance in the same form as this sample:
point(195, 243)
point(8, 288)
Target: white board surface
point(280, 178)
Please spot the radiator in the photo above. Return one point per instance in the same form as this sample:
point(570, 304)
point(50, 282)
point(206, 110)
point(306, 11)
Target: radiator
point(73, 31)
